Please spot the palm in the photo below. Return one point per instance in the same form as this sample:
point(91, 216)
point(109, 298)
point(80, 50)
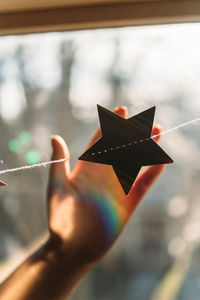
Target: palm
point(88, 207)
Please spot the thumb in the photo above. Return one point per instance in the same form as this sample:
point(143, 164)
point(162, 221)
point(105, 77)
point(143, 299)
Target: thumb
point(59, 170)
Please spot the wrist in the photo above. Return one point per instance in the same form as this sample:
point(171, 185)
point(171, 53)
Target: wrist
point(63, 256)
point(58, 265)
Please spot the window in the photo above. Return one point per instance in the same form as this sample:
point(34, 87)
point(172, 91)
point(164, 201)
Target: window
point(50, 83)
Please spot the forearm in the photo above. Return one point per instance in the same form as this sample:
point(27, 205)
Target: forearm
point(47, 274)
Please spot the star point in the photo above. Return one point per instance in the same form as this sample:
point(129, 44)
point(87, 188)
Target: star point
point(2, 183)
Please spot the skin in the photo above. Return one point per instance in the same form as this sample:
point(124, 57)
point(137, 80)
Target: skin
point(87, 210)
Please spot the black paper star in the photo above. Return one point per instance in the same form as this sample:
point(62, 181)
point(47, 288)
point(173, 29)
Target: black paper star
point(126, 144)
point(2, 183)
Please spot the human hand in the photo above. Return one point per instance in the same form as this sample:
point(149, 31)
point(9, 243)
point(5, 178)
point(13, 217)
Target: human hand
point(87, 207)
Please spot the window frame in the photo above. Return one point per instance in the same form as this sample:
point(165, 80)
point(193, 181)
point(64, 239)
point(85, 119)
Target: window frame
point(113, 13)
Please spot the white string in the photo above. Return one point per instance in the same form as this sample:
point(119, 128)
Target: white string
point(177, 127)
point(45, 164)
point(152, 137)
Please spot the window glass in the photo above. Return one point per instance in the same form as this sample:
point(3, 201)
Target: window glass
point(50, 84)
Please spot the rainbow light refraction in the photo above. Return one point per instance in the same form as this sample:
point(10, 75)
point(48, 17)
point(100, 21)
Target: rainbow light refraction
point(108, 212)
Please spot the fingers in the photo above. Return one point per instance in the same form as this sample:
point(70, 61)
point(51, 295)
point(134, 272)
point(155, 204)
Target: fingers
point(148, 177)
point(156, 131)
point(143, 184)
point(59, 170)
point(121, 111)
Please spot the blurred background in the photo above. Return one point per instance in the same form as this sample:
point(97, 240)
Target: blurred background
point(50, 84)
